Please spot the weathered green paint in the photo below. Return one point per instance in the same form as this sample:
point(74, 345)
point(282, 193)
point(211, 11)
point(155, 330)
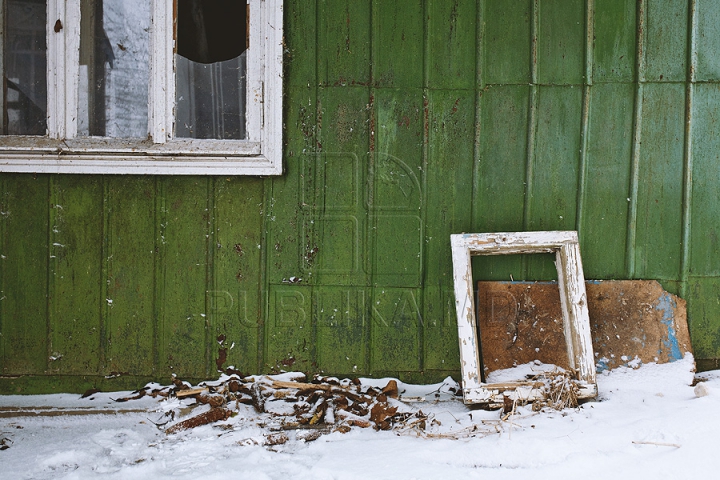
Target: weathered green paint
point(560, 42)
point(235, 300)
point(705, 229)
point(665, 35)
point(183, 248)
point(607, 189)
point(507, 42)
point(129, 263)
point(77, 331)
point(707, 41)
point(398, 25)
point(404, 122)
point(659, 203)
point(614, 55)
point(24, 220)
point(450, 39)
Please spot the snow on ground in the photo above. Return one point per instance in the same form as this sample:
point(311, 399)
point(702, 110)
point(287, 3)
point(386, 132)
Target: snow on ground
point(648, 423)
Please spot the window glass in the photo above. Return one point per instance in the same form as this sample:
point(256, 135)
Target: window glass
point(211, 69)
point(114, 72)
point(24, 67)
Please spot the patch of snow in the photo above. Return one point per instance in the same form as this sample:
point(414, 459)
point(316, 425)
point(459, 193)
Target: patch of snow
point(522, 372)
point(647, 423)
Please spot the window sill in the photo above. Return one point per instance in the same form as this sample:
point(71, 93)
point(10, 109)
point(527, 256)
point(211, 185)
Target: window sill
point(112, 156)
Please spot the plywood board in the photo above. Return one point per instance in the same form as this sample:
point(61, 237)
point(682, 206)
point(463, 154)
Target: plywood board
point(521, 322)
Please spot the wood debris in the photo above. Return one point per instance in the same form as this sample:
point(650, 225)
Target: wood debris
point(211, 416)
point(288, 408)
point(561, 391)
point(5, 443)
point(312, 409)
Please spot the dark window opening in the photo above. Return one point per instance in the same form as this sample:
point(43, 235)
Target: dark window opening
point(23, 66)
point(212, 39)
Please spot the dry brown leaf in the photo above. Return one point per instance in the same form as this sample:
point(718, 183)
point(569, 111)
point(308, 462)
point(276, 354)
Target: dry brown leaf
point(391, 389)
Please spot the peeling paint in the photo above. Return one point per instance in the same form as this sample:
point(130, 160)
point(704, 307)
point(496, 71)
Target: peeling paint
point(667, 305)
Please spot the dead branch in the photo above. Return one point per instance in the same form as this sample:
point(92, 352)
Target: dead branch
point(212, 415)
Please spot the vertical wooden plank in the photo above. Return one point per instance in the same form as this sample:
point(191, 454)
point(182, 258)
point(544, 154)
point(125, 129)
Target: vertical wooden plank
point(289, 339)
point(556, 158)
point(688, 148)
point(703, 316)
point(335, 210)
point(320, 47)
point(708, 41)
point(341, 329)
point(397, 41)
point(339, 258)
point(450, 131)
point(506, 42)
point(287, 205)
point(451, 54)
point(299, 67)
point(235, 305)
point(335, 226)
point(532, 123)
point(183, 244)
point(130, 275)
point(24, 226)
point(3, 243)
point(287, 320)
point(561, 38)
point(396, 331)
point(439, 321)
point(705, 208)
point(500, 195)
point(336, 231)
point(660, 194)
point(77, 304)
point(397, 179)
point(603, 232)
point(666, 41)
point(640, 68)
point(344, 42)
point(585, 115)
point(614, 45)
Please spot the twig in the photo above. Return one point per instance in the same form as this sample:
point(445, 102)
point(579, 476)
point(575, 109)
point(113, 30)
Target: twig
point(659, 444)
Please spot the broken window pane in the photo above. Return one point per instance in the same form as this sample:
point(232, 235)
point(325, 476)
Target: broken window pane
point(210, 69)
point(24, 67)
point(114, 72)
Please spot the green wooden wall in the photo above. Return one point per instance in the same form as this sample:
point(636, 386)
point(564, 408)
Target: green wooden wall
point(406, 121)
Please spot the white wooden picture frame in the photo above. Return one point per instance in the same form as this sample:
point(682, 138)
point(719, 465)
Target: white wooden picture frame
point(573, 299)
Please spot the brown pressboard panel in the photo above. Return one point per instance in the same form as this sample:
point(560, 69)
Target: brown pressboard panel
point(521, 322)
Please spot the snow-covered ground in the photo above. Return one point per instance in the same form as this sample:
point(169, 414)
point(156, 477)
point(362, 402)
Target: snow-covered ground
point(648, 423)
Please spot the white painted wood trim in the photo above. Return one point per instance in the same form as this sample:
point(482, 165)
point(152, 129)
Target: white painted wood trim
point(72, 66)
point(63, 63)
point(161, 94)
point(573, 298)
point(576, 318)
point(272, 131)
point(465, 308)
point(2, 65)
point(56, 70)
point(185, 147)
point(260, 155)
point(141, 165)
point(255, 58)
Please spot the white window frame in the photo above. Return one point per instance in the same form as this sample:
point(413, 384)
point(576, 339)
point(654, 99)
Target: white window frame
point(573, 302)
point(61, 151)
